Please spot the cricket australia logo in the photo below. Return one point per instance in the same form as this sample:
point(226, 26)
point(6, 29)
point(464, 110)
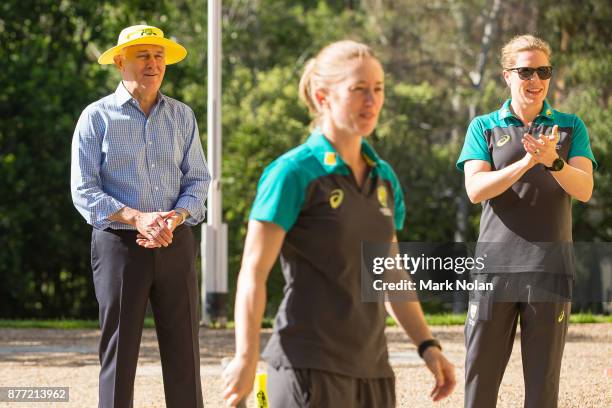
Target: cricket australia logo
point(383, 196)
point(147, 32)
point(330, 159)
point(473, 314)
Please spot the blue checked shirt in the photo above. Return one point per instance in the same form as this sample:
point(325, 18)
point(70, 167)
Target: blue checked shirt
point(122, 158)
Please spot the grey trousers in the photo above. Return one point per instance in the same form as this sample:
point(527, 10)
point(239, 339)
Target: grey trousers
point(308, 388)
point(489, 336)
point(126, 276)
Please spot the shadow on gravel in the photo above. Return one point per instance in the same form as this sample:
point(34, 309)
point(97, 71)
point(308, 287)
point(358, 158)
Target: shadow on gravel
point(574, 337)
point(452, 334)
point(78, 348)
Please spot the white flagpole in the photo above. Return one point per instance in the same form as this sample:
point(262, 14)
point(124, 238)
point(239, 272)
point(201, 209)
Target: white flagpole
point(214, 233)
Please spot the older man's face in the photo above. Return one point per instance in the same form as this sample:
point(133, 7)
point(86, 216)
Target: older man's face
point(144, 64)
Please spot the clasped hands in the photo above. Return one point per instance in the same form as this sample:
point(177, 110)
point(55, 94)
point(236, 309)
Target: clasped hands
point(544, 149)
point(155, 229)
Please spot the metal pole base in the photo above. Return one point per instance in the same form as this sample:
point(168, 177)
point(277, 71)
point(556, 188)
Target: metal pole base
point(215, 311)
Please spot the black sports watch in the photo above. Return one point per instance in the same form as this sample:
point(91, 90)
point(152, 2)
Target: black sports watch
point(427, 344)
point(557, 165)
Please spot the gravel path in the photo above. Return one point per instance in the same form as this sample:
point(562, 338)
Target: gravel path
point(39, 357)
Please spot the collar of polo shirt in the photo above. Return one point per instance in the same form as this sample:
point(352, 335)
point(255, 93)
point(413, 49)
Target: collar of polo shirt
point(546, 113)
point(328, 156)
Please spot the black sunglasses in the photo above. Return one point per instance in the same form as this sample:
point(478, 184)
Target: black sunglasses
point(526, 73)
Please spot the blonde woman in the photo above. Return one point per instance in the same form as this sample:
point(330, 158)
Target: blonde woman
point(524, 163)
point(315, 205)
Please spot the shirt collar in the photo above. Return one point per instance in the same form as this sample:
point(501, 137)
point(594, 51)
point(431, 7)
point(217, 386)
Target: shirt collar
point(546, 113)
point(122, 96)
point(328, 156)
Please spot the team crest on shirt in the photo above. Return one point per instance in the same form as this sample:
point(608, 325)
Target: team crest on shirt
point(330, 158)
point(503, 140)
point(335, 198)
point(473, 313)
point(381, 193)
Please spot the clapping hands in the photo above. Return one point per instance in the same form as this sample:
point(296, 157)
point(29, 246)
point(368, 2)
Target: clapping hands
point(544, 149)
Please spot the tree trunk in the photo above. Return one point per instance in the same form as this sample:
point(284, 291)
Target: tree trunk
point(460, 298)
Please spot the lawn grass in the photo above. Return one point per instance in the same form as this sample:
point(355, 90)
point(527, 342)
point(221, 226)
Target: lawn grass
point(443, 319)
point(456, 319)
point(590, 318)
point(57, 324)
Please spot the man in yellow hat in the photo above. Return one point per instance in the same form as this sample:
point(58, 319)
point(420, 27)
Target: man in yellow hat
point(140, 179)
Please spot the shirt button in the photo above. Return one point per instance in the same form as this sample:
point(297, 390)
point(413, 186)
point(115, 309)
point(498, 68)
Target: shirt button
point(153, 165)
point(150, 143)
point(156, 188)
point(159, 209)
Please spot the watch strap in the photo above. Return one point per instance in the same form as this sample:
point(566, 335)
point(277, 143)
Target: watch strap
point(557, 165)
point(427, 344)
point(183, 213)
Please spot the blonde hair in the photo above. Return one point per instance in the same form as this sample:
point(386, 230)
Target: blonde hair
point(327, 68)
point(525, 42)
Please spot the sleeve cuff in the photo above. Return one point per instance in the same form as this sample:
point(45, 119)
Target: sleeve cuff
point(103, 211)
point(196, 211)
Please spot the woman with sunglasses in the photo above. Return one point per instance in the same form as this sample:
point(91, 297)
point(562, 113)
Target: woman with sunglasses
point(524, 163)
point(315, 205)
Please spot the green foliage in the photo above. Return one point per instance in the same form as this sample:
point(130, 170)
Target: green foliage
point(46, 80)
point(430, 51)
point(48, 75)
point(262, 119)
point(584, 34)
point(413, 137)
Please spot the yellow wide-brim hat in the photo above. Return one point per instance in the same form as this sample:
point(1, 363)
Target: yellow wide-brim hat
point(144, 34)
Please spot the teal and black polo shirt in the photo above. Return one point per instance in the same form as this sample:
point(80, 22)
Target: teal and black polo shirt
point(535, 208)
point(312, 194)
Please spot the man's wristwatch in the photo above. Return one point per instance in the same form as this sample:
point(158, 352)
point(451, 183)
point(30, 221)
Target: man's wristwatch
point(183, 215)
point(557, 165)
point(427, 344)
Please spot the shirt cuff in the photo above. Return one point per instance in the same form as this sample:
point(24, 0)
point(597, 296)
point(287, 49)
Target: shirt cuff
point(103, 211)
point(195, 209)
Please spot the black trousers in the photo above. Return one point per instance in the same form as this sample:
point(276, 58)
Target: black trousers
point(490, 328)
point(125, 277)
point(309, 388)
